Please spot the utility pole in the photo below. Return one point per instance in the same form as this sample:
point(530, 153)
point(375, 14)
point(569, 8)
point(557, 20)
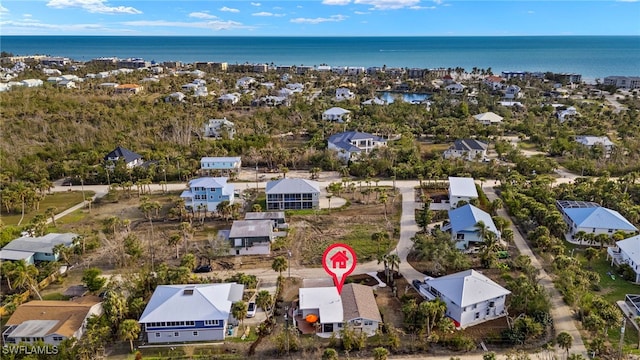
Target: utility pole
point(289, 263)
point(624, 323)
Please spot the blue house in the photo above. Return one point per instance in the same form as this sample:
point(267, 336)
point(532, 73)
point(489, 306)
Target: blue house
point(592, 218)
point(184, 313)
point(220, 165)
point(207, 193)
point(32, 249)
point(463, 225)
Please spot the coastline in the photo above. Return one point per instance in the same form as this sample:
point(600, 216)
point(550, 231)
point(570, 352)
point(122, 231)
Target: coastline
point(615, 55)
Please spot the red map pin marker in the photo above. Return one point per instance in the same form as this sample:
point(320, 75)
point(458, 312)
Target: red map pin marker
point(339, 260)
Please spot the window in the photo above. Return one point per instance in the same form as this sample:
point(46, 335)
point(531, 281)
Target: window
point(477, 315)
point(459, 236)
point(610, 231)
point(492, 303)
point(195, 333)
point(58, 338)
point(157, 334)
point(368, 323)
point(488, 311)
point(176, 334)
point(212, 322)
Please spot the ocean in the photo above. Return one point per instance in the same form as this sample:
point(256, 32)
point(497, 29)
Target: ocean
point(592, 56)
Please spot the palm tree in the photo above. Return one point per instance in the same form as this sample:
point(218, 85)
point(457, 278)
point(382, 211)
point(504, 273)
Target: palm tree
point(256, 208)
point(129, 330)
point(263, 300)
point(26, 276)
point(394, 261)
point(564, 340)
point(8, 272)
point(174, 240)
point(279, 264)
point(51, 213)
point(239, 311)
point(63, 252)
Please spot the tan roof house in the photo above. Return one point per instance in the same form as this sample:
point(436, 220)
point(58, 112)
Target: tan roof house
point(50, 321)
point(128, 89)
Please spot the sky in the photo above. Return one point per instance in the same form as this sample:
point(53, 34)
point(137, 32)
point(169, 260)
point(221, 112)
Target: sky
point(319, 17)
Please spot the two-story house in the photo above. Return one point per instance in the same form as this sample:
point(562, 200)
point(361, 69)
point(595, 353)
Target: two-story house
point(627, 251)
point(344, 93)
point(130, 158)
point(220, 165)
point(207, 193)
point(292, 194)
point(467, 149)
point(251, 237)
point(471, 297)
point(593, 141)
point(219, 129)
point(461, 189)
point(186, 313)
point(349, 145)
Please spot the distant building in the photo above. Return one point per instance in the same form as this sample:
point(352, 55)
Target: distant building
point(343, 93)
point(591, 141)
point(292, 194)
point(128, 89)
point(351, 144)
point(623, 82)
point(336, 114)
point(467, 149)
point(219, 129)
point(55, 61)
point(225, 165)
point(130, 158)
point(488, 118)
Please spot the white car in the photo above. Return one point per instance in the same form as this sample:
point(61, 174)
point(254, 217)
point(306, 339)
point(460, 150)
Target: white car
point(251, 309)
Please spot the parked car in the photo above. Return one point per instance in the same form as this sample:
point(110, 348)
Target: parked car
point(416, 284)
point(251, 309)
point(202, 269)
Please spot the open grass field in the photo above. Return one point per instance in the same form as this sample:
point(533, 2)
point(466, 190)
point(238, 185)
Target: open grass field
point(60, 201)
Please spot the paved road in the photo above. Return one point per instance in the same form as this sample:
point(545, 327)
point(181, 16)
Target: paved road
point(561, 313)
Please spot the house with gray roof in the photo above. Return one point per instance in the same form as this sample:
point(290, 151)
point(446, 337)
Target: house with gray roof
point(626, 251)
point(221, 165)
point(593, 141)
point(292, 194)
point(251, 237)
point(592, 218)
point(463, 225)
point(130, 158)
point(351, 144)
point(467, 149)
point(32, 249)
point(278, 218)
point(488, 118)
point(187, 313)
point(471, 297)
point(355, 306)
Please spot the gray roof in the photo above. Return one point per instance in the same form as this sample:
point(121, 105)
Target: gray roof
point(343, 139)
point(123, 153)
point(15, 254)
point(251, 228)
point(269, 215)
point(41, 244)
point(292, 186)
point(469, 144)
point(34, 328)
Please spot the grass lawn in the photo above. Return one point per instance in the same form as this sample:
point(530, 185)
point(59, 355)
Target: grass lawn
point(359, 238)
point(613, 290)
point(60, 201)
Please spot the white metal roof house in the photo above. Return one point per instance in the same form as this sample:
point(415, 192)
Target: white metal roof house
point(455, 88)
point(343, 93)
point(251, 237)
point(488, 118)
point(471, 297)
point(336, 114)
point(292, 194)
point(463, 221)
point(467, 149)
point(461, 189)
point(219, 128)
point(31, 249)
point(592, 218)
point(356, 306)
point(351, 144)
point(229, 99)
point(627, 251)
point(185, 313)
